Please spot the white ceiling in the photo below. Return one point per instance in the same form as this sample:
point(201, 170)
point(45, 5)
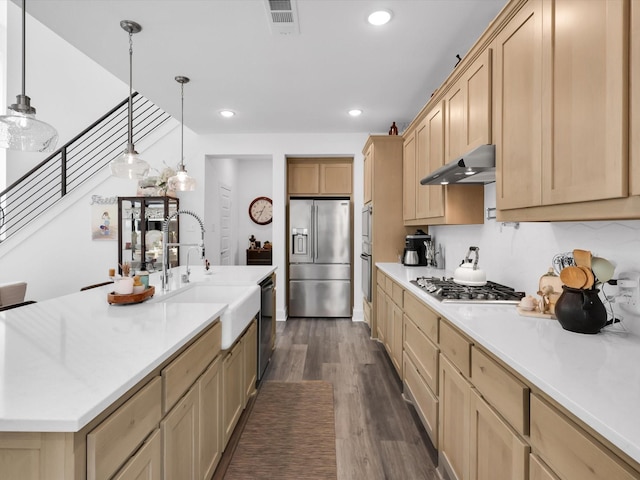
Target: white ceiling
point(301, 83)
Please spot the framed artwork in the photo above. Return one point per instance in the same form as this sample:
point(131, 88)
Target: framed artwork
point(104, 218)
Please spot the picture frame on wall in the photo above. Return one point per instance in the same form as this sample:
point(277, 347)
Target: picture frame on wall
point(104, 219)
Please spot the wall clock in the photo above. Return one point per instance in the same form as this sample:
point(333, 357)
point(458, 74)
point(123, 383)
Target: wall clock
point(261, 210)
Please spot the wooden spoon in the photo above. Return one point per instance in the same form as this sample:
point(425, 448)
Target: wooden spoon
point(573, 277)
point(582, 258)
point(590, 277)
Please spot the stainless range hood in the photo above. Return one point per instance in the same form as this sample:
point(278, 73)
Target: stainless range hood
point(477, 166)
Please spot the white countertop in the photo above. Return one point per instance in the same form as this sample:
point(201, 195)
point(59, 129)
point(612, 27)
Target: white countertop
point(64, 360)
point(595, 377)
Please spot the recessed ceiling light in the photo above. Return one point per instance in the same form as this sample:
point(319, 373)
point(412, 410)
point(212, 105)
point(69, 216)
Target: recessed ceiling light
point(379, 18)
point(227, 113)
point(356, 112)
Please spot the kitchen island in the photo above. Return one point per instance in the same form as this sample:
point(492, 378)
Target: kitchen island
point(69, 363)
point(586, 383)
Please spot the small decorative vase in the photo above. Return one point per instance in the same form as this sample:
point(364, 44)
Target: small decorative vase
point(394, 129)
point(580, 311)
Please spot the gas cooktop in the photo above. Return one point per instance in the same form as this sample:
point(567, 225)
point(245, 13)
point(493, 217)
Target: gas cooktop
point(447, 291)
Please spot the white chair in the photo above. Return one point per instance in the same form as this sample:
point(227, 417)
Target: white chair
point(11, 293)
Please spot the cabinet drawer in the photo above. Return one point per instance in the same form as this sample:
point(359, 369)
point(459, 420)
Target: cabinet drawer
point(146, 463)
point(503, 391)
point(381, 279)
point(456, 347)
point(425, 401)
point(112, 442)
point(538, 470)
point(185, 370)
point(425, 318)
point(570, 451)
point(396, 293)
point(388, 286)
point(423, 353)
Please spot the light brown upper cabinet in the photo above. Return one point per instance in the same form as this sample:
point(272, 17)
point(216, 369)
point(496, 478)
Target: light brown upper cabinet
point(584, 101)
point(634, 101)
point(518, 109)
point(561, 115)
point(424, 152)
point(430, 156)
point(409, 178)
point(468, 108)
point(319, 176)
point(368, 172)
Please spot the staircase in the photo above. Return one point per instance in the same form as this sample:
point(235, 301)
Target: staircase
point(75, 163)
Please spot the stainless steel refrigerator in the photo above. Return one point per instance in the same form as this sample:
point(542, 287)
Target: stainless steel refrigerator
point(319, 258)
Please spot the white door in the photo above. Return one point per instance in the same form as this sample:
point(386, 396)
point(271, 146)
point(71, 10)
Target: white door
point(225, 225)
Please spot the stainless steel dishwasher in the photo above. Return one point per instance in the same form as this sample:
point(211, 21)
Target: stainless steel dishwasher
point(265, 325)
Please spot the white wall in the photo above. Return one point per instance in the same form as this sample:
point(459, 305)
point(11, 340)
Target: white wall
point(3, 85)
point(256, 180)
point(518, 257)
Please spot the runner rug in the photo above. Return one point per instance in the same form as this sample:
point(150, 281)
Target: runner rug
point(290, 434)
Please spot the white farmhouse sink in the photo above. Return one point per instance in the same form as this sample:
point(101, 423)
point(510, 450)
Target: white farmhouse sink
point(243, 305)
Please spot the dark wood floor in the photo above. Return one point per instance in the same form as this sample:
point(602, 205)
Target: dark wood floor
point(378, 435)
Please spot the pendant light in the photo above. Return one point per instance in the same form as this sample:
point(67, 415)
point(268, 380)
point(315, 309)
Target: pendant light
point(129, 164)
point(19, 128)
point(181, 181)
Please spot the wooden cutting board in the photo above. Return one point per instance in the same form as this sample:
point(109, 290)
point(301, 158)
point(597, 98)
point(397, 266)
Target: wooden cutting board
point(535, 313)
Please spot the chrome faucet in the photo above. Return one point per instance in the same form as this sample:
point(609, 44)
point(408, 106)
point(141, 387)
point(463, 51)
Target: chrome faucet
point(185, 276)
point(165, 245)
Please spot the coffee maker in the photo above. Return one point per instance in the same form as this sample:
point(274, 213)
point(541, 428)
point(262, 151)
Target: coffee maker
point(414, 249)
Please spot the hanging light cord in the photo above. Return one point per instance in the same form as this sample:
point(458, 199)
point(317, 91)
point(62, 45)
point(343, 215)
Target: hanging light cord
point(130, 89)
point(24, 47)
point(182, 127)
point(23, 103)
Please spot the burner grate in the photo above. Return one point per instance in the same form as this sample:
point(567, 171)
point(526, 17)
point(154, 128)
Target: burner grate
point(447, 291)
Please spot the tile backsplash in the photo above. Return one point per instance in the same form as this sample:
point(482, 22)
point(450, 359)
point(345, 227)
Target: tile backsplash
point(518, 255)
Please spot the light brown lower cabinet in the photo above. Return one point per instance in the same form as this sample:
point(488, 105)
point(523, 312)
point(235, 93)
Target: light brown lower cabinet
point(381, 314)
point(146, 463)
point(482, 417)
point(570, 451)
point(250, 370)
point(396, 320)
point(423, 353)
point(424, 400)
point(453, 425)
point(210, 388)
point(181, 438)
point(233, 389)
point(117, 438)
point(496, 450)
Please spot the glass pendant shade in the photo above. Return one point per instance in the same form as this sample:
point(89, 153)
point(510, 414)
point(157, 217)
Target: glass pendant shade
point(181, 181)
point(22, 131)
point(19, 129)
point(129, 165)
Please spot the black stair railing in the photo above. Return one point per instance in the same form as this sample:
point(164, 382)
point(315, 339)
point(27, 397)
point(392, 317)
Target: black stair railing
point(75, 163)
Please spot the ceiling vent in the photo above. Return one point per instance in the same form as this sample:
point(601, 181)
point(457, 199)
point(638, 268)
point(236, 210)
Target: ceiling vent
point(283, 17)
